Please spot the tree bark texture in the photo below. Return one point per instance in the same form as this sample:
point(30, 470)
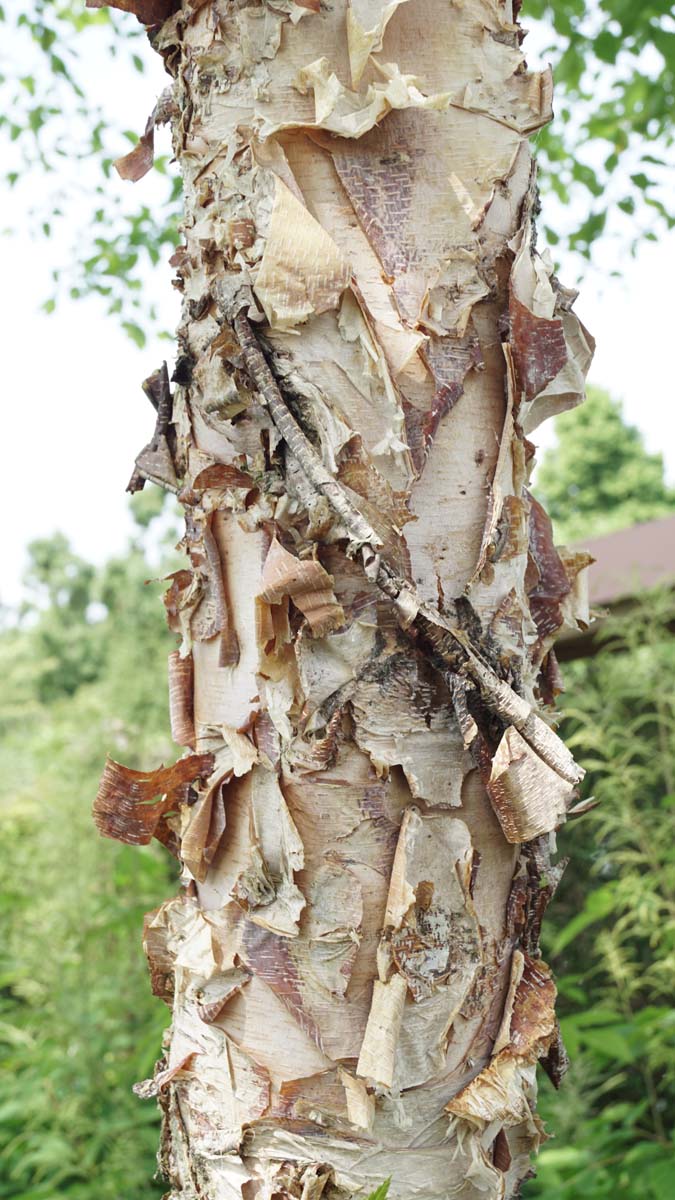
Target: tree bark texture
point(367, 803)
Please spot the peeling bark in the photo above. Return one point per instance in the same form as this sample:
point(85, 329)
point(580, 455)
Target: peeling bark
point(367, 808)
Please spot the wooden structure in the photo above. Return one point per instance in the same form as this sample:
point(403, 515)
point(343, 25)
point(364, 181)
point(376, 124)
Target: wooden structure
point(627, 563)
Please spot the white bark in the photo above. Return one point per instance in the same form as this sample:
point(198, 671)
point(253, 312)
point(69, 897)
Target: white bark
point(367, 337)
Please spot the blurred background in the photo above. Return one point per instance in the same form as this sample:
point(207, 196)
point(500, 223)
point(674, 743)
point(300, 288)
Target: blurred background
point(85, 309)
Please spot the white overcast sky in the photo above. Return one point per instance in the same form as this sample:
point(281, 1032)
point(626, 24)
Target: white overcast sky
point(74, 414)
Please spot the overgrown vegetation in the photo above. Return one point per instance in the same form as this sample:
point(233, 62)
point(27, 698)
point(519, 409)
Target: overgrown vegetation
point(84, 673)
point(610, 934)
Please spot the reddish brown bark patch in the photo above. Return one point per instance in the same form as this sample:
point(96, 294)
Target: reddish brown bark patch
point(160, 958)
point(533, 1017)
point(126, 807)
point(546, 578)
point(539, 350)
point(149, 12)
point(181, 688)
point(222, 475)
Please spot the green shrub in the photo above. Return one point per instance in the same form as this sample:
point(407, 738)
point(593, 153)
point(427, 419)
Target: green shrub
point(610, 933)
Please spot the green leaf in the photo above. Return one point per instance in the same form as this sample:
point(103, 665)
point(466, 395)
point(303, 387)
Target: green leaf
point(381, 1192)
point(606, 46)
point(610, 1043)
point(659, 1179)
point(598, 905)
point(135, 332)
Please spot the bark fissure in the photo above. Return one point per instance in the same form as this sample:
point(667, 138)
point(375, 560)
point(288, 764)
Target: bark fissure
point(367, 806)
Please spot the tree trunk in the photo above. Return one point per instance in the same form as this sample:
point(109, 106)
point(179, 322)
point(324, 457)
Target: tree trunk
point(366, 808)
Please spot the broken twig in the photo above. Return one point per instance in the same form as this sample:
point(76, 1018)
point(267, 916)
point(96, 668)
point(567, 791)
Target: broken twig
point(449, 648)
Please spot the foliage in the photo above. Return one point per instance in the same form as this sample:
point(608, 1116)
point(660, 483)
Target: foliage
point(57, 137)
point(599, 476)
point(607, 152)
point(611, 143)
point(610, 934)
point(84, 674)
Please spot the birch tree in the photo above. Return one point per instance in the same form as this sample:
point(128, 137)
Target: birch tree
point(366, 802)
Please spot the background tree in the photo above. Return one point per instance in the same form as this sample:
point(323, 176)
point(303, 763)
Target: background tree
point(599, 477)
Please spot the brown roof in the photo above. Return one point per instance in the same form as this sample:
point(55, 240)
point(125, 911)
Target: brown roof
point(631, 560)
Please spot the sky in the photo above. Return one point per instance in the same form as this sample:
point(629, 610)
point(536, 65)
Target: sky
point(74, 412)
